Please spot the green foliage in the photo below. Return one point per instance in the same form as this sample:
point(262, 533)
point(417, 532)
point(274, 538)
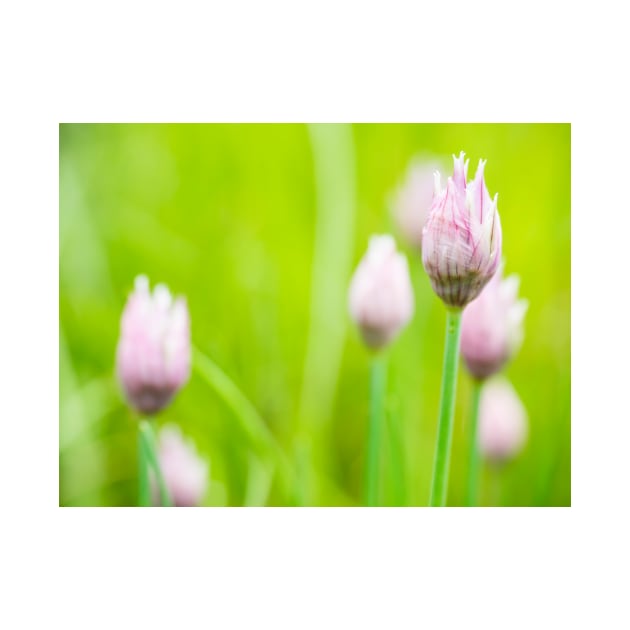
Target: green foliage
point(229, 215)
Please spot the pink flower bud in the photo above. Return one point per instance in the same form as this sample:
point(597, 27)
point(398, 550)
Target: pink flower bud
point(502, 421)
point(153, 355)
point(492, 326)
point(413, 200)
point(381, 295)
point(461, 244)
point(185, 473)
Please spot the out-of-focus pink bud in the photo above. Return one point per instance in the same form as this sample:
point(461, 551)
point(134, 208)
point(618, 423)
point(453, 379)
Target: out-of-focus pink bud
point(461, 244)
point(502, 421)
point(153, 355)
point(492, 326)
point(413, 198)
point(381, 295)
point(185, 473)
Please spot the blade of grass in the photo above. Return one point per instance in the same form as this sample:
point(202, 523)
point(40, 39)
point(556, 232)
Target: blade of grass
point(86, 406)
point(335, 177)
point(250, 421)
point(259, 480)
point(77, 419)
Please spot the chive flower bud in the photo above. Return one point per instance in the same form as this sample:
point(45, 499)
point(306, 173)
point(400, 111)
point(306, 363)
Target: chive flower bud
point(185, 472)
point(492, 326)
point(381, 296)
point(153, 354)
point(412, 201)
point(502, 421)
point(461, 243)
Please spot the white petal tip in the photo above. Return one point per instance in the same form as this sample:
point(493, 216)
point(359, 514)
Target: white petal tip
point(141, 283)
point(162, 296)
point(437, 183)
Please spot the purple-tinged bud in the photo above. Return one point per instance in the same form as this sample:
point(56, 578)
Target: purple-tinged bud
point(412, 201)
point(153, 355)
point(502, 421)
point(461, 244)
point(185, 472)
point(492, 326)
point(381, 295)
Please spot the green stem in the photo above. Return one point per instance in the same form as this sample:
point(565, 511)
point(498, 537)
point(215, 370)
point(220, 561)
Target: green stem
point(378, 376)
point(396, 455)
point(439, 483)
point(144, 490)
point(147, 436)
point(474, 459)
point(495, 481)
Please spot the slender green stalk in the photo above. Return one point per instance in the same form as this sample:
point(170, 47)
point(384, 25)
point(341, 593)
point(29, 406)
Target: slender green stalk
point(495, 485)
point(147, 436)
point(474, 461)
point(439, 483)
point(144, 490)
point(396, 455)
point(378, 377)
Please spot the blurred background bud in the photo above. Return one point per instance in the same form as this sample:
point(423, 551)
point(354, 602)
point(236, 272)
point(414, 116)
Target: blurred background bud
point(502, 421)
point(412, 200)
point(153, 354)
point(461, 245)
point(381, 296)
point(492, 326)
point(185, 472)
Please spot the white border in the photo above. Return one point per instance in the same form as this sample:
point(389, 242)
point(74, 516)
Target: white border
point(281, 61)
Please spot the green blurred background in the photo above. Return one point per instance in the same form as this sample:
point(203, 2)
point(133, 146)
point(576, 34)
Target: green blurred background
point(261, 226)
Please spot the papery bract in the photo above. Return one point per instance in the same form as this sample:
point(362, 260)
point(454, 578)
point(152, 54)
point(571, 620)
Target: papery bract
point(185, 473)
point(502, 421)
point(153, 354)
point(381, 296)
point(461, 245)
point(492, 326)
